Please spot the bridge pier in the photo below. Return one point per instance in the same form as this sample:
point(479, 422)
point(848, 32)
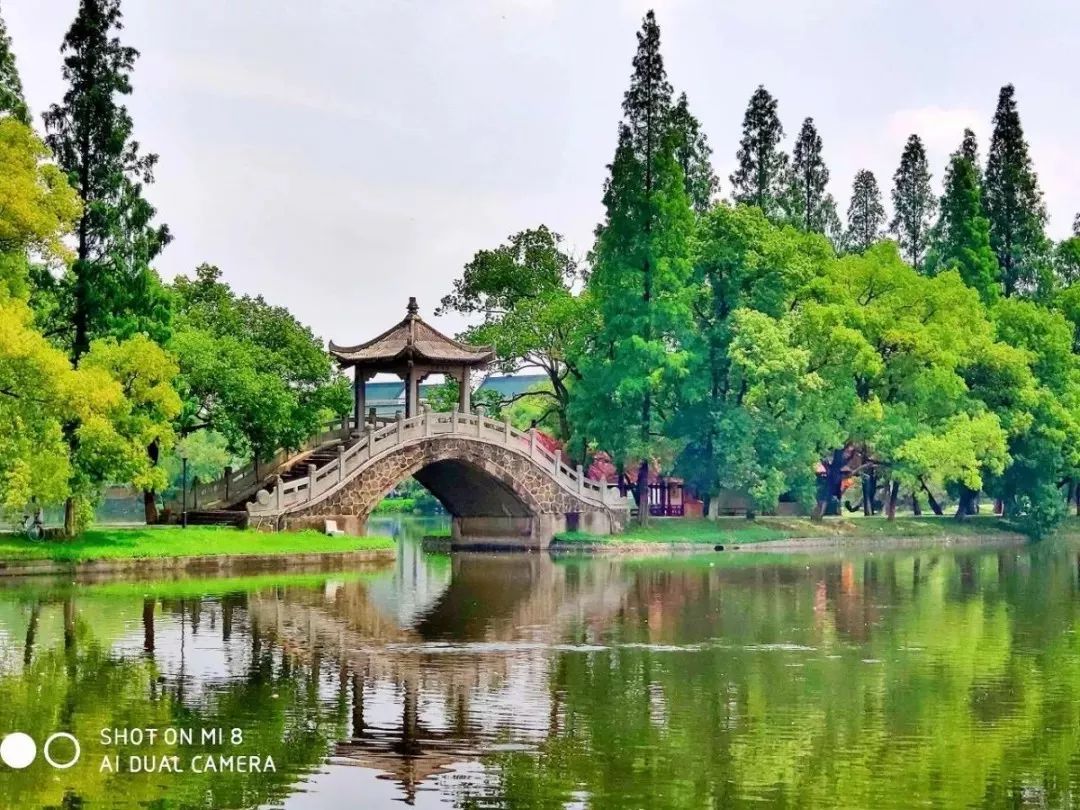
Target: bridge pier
point(533, 532)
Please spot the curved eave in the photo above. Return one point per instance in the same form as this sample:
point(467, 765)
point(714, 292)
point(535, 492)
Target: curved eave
point(346, 356)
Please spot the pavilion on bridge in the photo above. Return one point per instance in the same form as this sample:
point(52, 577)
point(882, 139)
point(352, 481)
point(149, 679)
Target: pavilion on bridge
point(412, 350)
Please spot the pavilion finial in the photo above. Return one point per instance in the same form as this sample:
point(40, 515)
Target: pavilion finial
point(413, 308)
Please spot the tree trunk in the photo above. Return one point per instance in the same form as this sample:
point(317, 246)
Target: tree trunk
point(890, 506)
point(966, 506)
point(916, 507)
point(69, 517)
point(829, 492)
point(935, 507)
point(31, 633)
point(869, 486)
point(69, 624)
point(642, 492)
point(148, 626)
point(706, 503)
point(150, 510)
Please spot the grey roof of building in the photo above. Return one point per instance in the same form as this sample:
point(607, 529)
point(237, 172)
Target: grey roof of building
point(411, 340)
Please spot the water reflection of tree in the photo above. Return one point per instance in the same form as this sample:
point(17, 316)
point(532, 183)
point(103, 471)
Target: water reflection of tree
point(933, 678)
point(72, 681)
point(960, 690)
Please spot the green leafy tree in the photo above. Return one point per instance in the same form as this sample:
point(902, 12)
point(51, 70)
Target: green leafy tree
point(37, 208)
point(961, 238)
point(866, 213)
point(762, 170)
point(12, 101)
point(1067, 260)
point(444, 398)
point(531, 315)
point(641, 269)
point(809, 205)
point(913, 203)
point(113, 289)
point(1037, 394)
point(693, 155)
point(249, 370)
point(38, 390)
point(145, 374)
point(1014, 203)
point(748, 413)
point(896, 345)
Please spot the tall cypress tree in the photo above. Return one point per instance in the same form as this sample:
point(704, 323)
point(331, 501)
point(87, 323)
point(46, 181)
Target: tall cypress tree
point(692, 152)
point(11, 90)
point(759, 178)
point(961, 238)
point(1014, 203)
point(113, 290)
point(866, 213)
point(913, 203)
point(809, 205)
point(640, 279)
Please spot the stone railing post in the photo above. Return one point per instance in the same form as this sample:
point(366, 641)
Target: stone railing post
point(580, 479)
point(345, 425)
point(310, 481)
point(400, 427)
point(427, 419)
point(558, 462)
point(479, 420)
point(278, 485)
point(371, 417)
point(340, 463)
point(454, 421)
point(532, 442)
point(228, 481)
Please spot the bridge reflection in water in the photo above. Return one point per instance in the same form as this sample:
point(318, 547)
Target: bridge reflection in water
point(505, 681)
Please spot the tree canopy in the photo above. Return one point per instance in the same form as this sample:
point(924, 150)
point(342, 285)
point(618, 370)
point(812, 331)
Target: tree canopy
point(249, 370)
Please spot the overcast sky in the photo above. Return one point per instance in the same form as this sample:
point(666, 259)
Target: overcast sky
point(340, 155)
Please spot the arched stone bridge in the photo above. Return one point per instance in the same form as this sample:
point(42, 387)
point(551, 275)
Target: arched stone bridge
point(498, 483)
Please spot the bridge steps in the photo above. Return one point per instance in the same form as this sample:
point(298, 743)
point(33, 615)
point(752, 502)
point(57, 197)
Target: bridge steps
point(217, 517)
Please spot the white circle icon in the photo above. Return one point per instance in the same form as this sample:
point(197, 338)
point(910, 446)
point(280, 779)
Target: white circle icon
point(61, 735)
point(18, 750)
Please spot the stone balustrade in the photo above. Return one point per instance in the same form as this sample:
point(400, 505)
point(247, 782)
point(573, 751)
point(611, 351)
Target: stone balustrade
point(373, 444)
point(237, 485)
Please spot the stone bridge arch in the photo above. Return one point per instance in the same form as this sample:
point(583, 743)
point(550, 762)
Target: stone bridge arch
point(495, 494)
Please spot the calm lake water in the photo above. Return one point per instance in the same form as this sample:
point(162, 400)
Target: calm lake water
point(934, 679)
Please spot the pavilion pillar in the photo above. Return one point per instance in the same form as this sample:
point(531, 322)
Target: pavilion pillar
point(412, 393)
point(465, 398)
point(359, 397)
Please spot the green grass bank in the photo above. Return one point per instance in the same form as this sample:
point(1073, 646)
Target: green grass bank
point(740, 531)
point(160, 542)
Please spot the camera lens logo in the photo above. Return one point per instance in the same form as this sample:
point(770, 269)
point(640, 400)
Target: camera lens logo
point(18, 750)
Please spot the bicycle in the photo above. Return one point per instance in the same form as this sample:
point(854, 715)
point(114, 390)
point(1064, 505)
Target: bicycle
point(32, 527)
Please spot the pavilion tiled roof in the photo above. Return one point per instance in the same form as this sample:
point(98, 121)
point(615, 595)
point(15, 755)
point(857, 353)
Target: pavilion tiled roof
point(412, 340)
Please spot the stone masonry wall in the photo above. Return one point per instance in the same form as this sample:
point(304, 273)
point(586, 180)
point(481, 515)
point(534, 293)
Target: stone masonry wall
point(531, 486)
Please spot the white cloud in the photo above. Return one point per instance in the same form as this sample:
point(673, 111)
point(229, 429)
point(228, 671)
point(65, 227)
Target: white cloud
point(233, 79)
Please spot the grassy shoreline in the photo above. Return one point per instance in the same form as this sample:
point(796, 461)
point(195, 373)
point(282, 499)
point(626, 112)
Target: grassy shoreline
point(740, 531)
point(172, 542)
